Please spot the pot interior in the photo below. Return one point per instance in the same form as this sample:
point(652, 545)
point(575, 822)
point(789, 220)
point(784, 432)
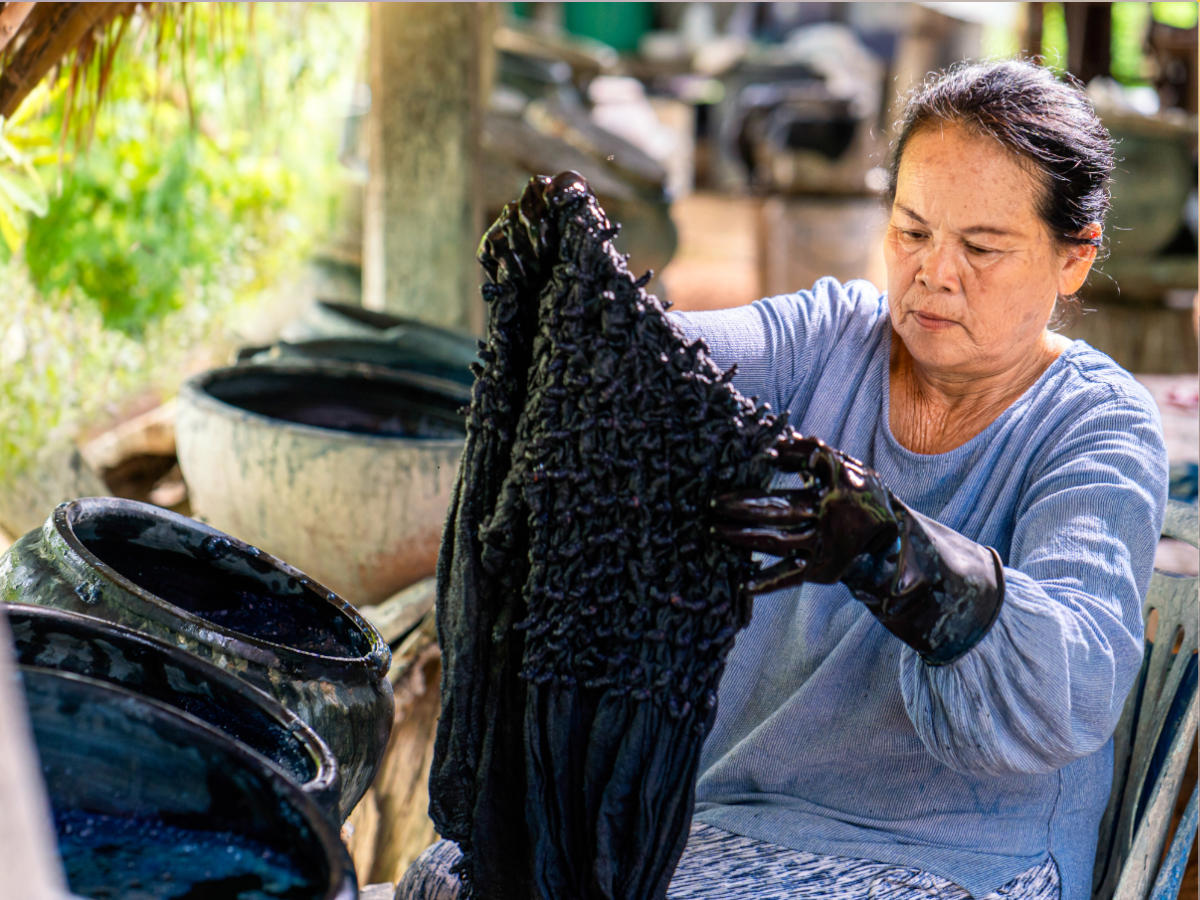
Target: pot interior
point(350, 402)
point(148, 804)
point(218, 578)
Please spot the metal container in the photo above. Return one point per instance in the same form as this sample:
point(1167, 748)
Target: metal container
point(330, 319)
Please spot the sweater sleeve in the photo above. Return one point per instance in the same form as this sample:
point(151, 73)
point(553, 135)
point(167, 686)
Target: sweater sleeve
point(1047, 684)
point(779, 344)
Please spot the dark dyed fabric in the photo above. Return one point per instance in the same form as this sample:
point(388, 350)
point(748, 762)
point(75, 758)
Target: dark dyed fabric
point(584, 608)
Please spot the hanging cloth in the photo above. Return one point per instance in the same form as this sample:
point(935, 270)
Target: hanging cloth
point(584, 607)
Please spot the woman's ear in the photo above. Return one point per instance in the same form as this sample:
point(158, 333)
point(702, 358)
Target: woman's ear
point(1078, 259)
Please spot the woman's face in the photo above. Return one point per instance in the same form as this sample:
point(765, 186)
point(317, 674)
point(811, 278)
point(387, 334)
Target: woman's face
point(973, 272)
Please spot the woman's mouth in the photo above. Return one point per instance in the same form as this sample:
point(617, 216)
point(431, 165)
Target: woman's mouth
point(931, 322)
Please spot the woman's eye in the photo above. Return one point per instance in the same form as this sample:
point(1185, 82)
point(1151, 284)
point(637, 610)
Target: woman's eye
point(912, 235)
point(979, 251)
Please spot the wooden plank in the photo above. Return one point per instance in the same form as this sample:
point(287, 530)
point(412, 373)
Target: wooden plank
point(396, 616)
point(391, 824)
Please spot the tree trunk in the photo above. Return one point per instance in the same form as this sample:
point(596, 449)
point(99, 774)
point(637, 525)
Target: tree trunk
point(430, 71)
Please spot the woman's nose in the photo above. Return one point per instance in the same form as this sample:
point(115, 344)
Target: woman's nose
point(938, 270)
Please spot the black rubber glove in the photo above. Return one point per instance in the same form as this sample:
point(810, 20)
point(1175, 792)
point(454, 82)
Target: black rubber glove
point(936, 590)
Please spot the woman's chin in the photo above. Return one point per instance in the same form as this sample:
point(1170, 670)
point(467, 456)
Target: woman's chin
point(938, 349)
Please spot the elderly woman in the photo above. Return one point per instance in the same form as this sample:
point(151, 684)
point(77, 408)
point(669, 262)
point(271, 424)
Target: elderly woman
point(923, 702)
point(929, 712)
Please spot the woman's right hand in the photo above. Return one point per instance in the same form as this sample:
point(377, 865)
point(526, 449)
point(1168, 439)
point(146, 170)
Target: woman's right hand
point(841, 511)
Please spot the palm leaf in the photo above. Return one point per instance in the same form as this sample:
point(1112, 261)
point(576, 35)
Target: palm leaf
point(74, 46)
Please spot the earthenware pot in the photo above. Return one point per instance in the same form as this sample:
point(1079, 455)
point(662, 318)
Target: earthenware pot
point(190, 585)
point(345, 471)
point(69, 642)
point(152, 802)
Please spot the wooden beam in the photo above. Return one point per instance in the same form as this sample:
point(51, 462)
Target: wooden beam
point(52, 31)
point(11, 18)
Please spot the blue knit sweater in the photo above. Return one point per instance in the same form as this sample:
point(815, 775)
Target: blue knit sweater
point(834, 737)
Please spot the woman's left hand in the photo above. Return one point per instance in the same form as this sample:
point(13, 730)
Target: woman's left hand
point(935, 589)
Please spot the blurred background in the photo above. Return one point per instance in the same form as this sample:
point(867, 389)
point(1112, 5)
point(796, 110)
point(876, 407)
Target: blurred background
point(181, 180)
point(183, 185)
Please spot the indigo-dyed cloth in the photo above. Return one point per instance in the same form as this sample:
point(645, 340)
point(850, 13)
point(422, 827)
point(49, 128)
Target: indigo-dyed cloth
point(719, 865)
point(834, 737)
point(584, 608)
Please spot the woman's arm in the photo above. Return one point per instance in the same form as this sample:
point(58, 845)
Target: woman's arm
point(778, 344)
point(1047, 684)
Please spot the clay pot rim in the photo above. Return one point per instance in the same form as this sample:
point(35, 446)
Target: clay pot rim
point(376, 661)
point(194, 391)
point(325, 783)
point(342, 881)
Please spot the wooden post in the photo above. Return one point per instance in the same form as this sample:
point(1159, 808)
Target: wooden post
point(27, 855)
point(1089, 39)
point(430, 71)
point(1032, 19)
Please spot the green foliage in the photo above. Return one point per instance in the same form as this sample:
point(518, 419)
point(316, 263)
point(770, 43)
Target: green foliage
point(209, 175)
point(1177, 15)
point(157, 209)
point(1054, 36)
point(140, 227)
point(25, 145)
point(1129, 24)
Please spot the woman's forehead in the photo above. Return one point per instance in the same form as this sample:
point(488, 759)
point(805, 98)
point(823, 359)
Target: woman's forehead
point(949, 167)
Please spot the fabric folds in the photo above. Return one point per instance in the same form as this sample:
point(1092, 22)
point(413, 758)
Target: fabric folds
point(584, 608)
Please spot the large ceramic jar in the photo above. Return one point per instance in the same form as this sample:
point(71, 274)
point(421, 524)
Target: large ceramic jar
point(151, 802)
point(192, 586)
point(69, 642)
point(344, 470)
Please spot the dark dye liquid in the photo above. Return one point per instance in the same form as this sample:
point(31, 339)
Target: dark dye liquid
point(142, 859)
point(384, 408)
point(302, 620)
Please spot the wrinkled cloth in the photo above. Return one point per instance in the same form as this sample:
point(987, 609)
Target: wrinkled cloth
point(836, 738)
point(719, 865)
point(584, 608)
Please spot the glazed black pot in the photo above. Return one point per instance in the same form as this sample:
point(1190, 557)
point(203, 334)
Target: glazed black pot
point(150, 802)
point(69, 642)
point(190, 585)
point(447, 368)
point(330, 319)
